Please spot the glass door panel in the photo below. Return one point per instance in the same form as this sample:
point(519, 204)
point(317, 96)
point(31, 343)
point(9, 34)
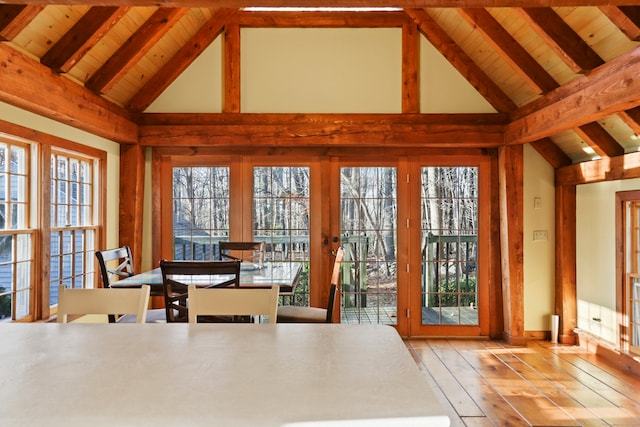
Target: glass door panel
point(200, 211)
point(368, 218)
point(449, 211)
point(281, 205)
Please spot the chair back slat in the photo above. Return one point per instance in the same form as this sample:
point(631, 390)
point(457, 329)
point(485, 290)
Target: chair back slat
point(233, 302)
point(103, 301)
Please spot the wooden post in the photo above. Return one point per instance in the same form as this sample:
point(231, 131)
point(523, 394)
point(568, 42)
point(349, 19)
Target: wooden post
point(565, 286)
point(132, 162)
point(511, 183)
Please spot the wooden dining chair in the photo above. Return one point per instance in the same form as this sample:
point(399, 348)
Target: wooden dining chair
point(103, 301)
point(252, 252)
point(117, 264)
point(178, 275)
point(233, 302)
point(300, 314)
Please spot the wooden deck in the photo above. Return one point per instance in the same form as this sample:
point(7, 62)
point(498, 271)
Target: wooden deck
point(488, 383)
point(430, 316)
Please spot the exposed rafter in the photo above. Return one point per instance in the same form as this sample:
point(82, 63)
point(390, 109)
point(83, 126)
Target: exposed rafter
point(331, 3)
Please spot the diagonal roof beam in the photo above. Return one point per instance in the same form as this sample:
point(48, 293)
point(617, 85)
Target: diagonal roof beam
point(461, 61)
point(511, 51)
point(599, 139)
point(609, 89)
point(632, 119)
point(181, 60)
point(551, 152)
point(14, 19)
point(577, 54)
point(82, 37)
point(29, 85)
point(330, 3)
point(627, 21)
point(134, 48)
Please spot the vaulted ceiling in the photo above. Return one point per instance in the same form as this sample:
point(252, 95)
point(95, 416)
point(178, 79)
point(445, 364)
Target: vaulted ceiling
point(521, 56)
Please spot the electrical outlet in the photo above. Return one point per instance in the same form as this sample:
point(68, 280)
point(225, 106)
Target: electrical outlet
point(540, 235)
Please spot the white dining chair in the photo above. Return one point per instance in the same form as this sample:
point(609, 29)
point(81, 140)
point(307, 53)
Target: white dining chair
point(233, 302)
point(103, 301)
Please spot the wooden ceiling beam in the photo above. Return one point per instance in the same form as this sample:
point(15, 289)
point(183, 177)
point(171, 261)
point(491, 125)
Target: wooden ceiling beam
point(181, 60)
point(596, 137)
point(626, 166)
point(509, 49)
point(551, 152)
point(319, 19)
point(83, 36)
point(29, 85)
point(322, 130)
point(607, 90)
point(330, 3)
point(461, 61)
point(134, 48)
point(632, 119)
point(14, 19)
point(630, 27)
point(633, 13)
point(560, 37)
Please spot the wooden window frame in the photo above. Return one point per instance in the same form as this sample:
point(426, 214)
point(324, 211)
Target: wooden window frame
point(40, 188)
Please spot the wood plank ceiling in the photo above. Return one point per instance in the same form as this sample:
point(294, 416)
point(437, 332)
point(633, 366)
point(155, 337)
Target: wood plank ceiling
point(521, 56)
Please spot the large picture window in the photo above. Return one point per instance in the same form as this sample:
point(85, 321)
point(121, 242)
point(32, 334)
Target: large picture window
point(73, 228)
point(16, 238)
point(48, 199)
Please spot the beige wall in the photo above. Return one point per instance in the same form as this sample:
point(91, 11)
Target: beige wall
point(183, 96)
point(539, 255)
point(443, 89)
point(321, 70)
point(595, 254)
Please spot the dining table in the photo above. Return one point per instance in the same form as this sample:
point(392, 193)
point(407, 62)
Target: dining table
point(282, 375)
point(268, 274)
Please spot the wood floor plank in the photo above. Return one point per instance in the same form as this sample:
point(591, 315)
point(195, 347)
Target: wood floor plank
point(619, 409)
point(597, 403)
point(433, 372)
point(458, 397)
point(488, 399)
point(536, 408)
point(540, 384)
point(554, 385)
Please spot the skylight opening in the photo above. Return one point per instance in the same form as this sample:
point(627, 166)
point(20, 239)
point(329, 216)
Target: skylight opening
point(322, 9)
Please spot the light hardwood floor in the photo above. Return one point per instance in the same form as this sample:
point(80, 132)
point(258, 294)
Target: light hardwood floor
point(489, 383)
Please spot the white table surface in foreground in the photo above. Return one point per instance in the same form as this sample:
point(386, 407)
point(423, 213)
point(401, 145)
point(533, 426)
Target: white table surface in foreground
point(211, 374)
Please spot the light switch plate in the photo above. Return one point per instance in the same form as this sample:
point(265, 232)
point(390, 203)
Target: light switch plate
point(540, 235)
point(537, 202)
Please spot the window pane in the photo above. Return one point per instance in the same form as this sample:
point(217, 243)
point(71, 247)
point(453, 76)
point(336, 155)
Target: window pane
point(281, 219)
point(368, 221)
point(16, 251)
point(72, 239)
point(200, 211)
point(450, 245)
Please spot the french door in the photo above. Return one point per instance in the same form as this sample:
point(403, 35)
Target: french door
point(415, 254)
point(449, 247)
point(369, 237)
